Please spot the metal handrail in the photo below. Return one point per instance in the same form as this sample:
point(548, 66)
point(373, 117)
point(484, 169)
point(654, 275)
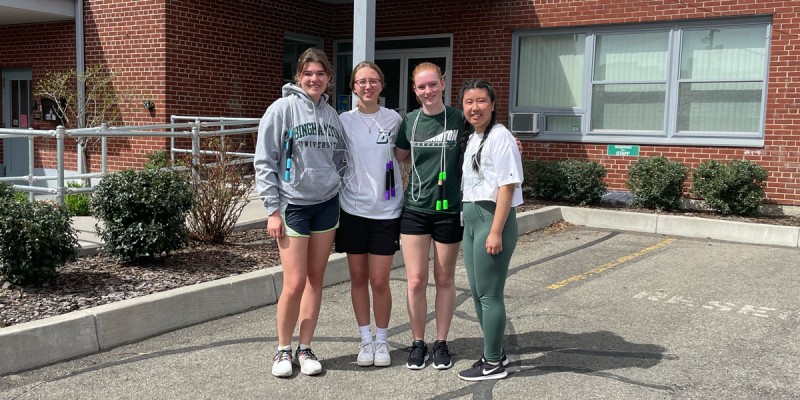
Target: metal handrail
point(196, 128)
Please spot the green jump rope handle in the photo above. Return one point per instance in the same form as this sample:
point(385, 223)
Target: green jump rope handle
point(445, 205)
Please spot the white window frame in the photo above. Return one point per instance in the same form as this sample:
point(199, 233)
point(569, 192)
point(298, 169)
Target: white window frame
point(669, 136)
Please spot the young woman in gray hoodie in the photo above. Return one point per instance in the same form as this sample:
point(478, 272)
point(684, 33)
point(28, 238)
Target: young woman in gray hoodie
point(298, 164)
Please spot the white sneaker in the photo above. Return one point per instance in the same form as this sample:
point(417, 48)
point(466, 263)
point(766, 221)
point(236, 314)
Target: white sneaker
point(366, 355)
point(309, 364)
point(282, 364)
point(382, 357)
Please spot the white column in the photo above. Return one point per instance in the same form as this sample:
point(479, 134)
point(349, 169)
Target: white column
point(363, 33)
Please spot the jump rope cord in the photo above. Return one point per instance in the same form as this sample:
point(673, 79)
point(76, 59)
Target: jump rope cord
point(442, 158)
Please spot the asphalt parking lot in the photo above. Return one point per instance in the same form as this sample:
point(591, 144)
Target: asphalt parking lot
point(592, 314)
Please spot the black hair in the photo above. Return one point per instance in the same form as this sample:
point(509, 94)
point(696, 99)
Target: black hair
point(468, 128)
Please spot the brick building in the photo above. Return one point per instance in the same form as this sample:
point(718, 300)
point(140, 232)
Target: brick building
point(687, 79)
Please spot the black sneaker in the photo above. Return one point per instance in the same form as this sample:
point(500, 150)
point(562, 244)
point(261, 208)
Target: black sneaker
point(503, 359)
point(441, 356)
point(482, 371)
point(418, 356)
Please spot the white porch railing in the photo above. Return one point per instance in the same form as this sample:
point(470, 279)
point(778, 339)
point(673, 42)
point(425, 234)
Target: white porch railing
point(191, 127)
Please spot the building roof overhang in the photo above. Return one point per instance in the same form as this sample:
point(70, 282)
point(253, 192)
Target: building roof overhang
point(14, 12)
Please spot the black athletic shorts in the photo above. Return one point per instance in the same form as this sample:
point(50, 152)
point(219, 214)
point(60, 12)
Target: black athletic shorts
point(359, 235)
point(443, 227)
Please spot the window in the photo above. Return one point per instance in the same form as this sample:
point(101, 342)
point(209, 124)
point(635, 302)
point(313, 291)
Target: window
point(694, 83)
point(293, 46)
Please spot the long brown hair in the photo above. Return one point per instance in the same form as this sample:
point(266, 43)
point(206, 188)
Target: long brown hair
point(313, 54)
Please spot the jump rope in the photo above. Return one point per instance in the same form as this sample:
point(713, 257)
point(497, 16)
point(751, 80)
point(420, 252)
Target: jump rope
point(389, 184)
point(441, 193)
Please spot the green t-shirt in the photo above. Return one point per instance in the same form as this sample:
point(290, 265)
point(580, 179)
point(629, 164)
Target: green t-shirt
point(425, 135)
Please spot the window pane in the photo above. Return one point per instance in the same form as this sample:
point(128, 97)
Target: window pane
point(551, 71)
point(631, 57)
point(562, 123)
point(720, 107)
point(628, 107)
point(724, 53)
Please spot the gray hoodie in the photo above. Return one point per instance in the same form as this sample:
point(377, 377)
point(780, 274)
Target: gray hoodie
point(317, 152)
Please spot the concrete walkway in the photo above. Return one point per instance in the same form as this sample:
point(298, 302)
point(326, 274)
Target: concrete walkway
point(38, 343)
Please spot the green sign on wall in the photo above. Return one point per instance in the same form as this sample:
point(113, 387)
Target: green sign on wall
point(623, 150)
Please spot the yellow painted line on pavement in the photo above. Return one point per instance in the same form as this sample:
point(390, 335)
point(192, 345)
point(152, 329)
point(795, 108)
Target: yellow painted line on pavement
point(611, 264)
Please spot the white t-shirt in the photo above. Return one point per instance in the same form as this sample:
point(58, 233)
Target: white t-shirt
point(501, 164)
point(370, 142)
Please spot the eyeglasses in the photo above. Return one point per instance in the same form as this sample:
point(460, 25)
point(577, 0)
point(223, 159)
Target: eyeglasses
point(363, 82)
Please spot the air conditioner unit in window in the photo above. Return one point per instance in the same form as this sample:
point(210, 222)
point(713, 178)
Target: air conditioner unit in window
point(524, 122)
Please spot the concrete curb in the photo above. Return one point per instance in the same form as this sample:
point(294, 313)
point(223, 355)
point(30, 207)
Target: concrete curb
point(38, 343)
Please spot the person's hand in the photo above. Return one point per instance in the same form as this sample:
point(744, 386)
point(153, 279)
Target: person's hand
point(275, 225)
point(494, 244)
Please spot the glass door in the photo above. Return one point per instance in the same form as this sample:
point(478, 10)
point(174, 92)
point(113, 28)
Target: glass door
point(18, 107)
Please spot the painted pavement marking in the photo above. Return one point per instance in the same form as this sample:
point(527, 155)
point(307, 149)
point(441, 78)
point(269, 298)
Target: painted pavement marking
point(611, 264)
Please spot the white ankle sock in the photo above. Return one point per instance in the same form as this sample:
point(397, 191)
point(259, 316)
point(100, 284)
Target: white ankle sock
point(381, 334)
point(366, 333)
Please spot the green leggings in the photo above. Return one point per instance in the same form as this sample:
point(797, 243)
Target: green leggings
point(487, 273)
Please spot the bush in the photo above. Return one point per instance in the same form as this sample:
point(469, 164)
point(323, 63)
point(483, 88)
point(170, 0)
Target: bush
point(657, 182)
point(220, 188)
point(541, 180)
point(35, 239)
point(157, 160)
point(734, 187)
point(571, 181)
point(7, 193)
point(583, 181)
point(77, 204)
point(143, 213)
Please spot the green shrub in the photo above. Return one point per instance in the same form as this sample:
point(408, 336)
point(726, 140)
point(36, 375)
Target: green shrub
point(77, 204)
point(657, 182)
point(583, 181)
point(7, 193)
point(35, 239)
point(143, 213)
point(572, 181)
point(541, 180)
point(157, 160)
point(734, 187)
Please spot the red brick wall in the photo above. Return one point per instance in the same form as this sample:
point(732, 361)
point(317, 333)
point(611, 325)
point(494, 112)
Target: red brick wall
point(41, 47)
point(482, 48)
point(221, 58)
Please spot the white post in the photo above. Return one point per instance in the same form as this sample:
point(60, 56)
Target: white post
point(363, 34)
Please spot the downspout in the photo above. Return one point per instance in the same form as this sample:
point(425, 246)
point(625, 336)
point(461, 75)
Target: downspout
point(80, 68)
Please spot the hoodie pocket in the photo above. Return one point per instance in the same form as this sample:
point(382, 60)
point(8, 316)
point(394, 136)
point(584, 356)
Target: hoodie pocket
point(315, 182)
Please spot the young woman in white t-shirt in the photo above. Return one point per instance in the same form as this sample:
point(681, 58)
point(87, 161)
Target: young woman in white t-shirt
point(371, 202)
point(491, 188)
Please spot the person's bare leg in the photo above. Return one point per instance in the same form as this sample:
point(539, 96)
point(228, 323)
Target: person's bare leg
point(294, 256)
point(444, 271)
point(319, 249)
point(416, 249)
point(358, 264)
point(380, 267)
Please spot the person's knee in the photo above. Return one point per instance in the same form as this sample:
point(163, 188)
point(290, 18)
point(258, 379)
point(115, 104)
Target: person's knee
point(359, 278)
point(417, 285)
point(444, 281)
point(293, 290)
point(380, 286)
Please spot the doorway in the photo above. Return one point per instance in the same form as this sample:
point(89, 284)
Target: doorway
point(397, 58)
point(17, 108)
